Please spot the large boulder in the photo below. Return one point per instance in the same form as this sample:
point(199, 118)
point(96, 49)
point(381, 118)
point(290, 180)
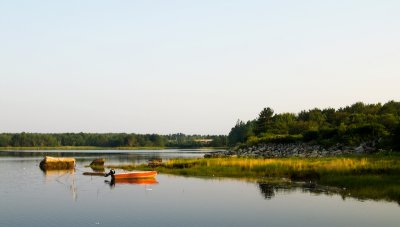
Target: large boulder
point(98, 165)
point(98, 162)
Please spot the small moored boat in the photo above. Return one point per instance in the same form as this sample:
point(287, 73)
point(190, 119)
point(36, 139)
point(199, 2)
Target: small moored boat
point(132, 175)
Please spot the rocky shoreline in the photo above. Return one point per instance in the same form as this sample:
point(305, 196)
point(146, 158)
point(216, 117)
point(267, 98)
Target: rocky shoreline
point(281, 150)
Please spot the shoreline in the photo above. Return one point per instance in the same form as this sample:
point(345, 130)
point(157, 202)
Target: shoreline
point(374, 176)
point(66, 148)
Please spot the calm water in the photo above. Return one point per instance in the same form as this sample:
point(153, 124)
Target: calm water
point(30, 197)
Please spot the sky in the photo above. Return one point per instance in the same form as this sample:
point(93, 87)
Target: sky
point(192, 67)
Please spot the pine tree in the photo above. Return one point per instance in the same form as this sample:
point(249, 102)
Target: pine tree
point(264, 120)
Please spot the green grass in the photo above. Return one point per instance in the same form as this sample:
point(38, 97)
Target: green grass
point(372, 177)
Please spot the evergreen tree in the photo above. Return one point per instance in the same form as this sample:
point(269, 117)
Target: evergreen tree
point(264, 121)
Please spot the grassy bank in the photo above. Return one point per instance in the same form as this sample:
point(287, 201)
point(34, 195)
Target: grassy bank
point(373, 177)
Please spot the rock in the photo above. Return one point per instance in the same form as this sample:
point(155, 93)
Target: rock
point(98, 162)
point(369, 149)
point(299, 150)
point(359, 149)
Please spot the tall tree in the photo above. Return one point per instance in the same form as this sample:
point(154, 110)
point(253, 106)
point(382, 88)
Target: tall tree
point(264, 121)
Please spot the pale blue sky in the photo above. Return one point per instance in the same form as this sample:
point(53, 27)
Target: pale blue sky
point(189, 66)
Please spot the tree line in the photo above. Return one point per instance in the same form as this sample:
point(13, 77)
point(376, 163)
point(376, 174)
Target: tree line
point(110, 140)
point(376, 124)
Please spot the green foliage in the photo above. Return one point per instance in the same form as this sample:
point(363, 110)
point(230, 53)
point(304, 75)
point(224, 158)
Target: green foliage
point(281, 123)
point(396, 138)
point(241, 132)
point(109, 140)
point(264, 120)
point(273, 138)
point(351, 125)
point(5, 140)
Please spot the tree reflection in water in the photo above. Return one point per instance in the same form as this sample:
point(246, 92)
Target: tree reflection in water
point(268, 190)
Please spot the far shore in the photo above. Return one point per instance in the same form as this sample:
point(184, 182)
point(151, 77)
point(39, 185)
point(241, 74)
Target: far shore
point(102, 148)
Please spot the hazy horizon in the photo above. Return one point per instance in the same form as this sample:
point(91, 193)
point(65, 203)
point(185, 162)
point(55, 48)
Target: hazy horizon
point(189, 67)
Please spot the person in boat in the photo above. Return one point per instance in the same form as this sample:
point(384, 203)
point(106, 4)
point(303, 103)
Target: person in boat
point(112, 172)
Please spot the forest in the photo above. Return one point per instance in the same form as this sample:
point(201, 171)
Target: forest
point(178, 140)
point(375, 124)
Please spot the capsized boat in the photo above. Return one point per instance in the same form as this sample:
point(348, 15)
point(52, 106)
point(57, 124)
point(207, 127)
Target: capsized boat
point(132, 175)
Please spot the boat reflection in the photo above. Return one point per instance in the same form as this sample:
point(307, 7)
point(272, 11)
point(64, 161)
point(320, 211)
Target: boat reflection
point(138, 181)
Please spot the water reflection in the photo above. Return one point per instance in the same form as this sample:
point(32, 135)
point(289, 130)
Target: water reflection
point(98, 169)
point(267, 190)
point(271, 189)
point(147, 181)
point(63, 177)
point(50, 174)
point(35, 198)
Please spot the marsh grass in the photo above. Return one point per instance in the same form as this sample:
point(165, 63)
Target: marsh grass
point(373, 177)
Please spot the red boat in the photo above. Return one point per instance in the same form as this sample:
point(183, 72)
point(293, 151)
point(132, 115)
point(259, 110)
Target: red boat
point(132, 175)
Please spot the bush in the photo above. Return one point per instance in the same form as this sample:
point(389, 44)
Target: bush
point(310, 135)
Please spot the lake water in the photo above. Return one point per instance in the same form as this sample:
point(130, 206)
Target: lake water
point(30, 197)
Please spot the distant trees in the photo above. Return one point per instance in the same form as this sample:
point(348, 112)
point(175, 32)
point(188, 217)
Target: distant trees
point(108, 140)
point(188, 141)
point(351, 125)
point(5, 140)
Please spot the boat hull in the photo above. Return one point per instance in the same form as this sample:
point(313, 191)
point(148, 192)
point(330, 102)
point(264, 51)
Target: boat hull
point(135, 175)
